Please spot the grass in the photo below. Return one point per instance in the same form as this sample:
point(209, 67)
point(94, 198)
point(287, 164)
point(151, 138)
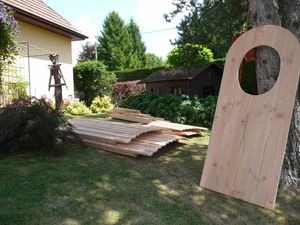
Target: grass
point(87, 186)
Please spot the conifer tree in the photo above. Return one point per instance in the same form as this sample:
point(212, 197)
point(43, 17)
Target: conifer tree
point(139, 48)
point(115, 45)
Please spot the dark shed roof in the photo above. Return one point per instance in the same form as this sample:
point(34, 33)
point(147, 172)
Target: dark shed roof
point(178, 73)
point(39, 13)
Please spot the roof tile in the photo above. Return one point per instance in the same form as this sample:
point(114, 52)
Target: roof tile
point(41, 10)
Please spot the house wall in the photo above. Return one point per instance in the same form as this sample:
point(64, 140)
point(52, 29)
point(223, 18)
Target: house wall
point(208, 83)
point(167, 86)
point(39, 70)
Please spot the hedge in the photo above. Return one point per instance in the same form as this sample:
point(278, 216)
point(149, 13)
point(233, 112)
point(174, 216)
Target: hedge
point(135, 74)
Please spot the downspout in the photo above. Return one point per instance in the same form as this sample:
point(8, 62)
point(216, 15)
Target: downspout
point(28, 61)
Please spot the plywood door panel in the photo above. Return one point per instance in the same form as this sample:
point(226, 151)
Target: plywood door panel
point(249, 133)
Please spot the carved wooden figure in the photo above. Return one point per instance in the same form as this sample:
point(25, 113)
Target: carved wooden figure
point(56, 73)
point(249, 133)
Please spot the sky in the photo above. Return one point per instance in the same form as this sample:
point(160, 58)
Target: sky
point(88, 17)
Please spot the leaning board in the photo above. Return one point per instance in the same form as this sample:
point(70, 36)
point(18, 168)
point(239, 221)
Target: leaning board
point(249, 133)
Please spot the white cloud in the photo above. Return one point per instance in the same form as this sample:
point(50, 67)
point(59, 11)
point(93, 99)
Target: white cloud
point(150, 13)
point(150, 19)
point(87, 27)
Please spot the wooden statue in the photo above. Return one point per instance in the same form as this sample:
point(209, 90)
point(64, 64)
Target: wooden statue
point(56, 73)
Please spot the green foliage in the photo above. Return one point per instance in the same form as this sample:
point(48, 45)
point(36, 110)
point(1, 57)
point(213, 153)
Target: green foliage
point(179, 109)
point(190, 54)
point(211, 23)
point(153, 60)
point(78, 108)
point(8, 31)
point(31, 125)
point(138, 46)
point(18, 88)
point(87, 53)
point(120, 46)
point(114, 43)
point(220, 62)
point(249, 81)
point(101, 104)
point(92, 78)
point(135, 74)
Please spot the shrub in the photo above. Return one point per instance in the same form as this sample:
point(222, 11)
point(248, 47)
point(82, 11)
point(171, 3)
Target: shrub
point(153, 60)
point(123, 90)
point(31, 125)
point(220, 62)
point(101, 104)
point(78, 108)
point(179, 109)
point(18, 88)
point(135, 74)
point(189, 54)
point(92, 78)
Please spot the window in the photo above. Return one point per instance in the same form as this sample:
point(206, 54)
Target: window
point(156, 90)
point(176, 90)
point(209, 90)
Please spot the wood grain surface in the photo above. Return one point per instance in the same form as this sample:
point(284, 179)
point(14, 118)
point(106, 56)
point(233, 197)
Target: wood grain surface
point(249, 133)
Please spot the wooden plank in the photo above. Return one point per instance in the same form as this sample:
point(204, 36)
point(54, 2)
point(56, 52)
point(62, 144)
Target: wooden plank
point(132, 115)
point(108, 131)
point(143, 145)
point(117, 109)
point(107, 147)
point(176, 126)
point(123, 138)
point(181, 133)
point(249, 133)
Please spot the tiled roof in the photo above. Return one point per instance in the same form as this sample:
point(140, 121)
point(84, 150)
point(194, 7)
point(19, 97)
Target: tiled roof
point(178, 73)
point(41, 11)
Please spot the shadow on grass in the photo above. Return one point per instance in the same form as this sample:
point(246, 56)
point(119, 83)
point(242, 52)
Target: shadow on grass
point(95, 187)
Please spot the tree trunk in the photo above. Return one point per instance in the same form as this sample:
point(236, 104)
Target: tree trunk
point(290, 174)
point(285, 13)
point(267, 60)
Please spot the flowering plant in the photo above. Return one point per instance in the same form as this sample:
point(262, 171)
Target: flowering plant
point(8, 31)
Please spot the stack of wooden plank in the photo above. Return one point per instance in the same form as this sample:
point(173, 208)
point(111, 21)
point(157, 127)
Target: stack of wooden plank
point(132, 115)
point(144, 137)
point(122, 138)
point(176, 128)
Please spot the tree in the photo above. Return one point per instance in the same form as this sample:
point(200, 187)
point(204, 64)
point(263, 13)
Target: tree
point(87, 53)
point(287, 14)
point(214, 23)
point(92, 78)
point(153, 60)
point(189, 54)
point(138, 46)
point(278, 12)
point(115, 46)
point(8, 31)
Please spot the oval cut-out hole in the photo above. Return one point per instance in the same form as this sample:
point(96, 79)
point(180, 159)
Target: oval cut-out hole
point(259, 70)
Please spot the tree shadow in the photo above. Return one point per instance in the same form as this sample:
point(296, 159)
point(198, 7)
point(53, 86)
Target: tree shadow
point(95, 187)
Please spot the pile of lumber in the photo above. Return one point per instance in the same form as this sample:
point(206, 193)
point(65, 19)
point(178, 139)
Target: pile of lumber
point(144, 137)
point(122, 138)
point(136, 116)
point(132, 115)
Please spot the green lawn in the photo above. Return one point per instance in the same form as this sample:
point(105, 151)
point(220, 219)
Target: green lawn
point(87, 186)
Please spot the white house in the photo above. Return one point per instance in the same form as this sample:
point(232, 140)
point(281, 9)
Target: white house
point(43, 32)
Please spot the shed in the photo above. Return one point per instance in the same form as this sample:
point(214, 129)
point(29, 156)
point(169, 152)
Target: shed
point(200, 79)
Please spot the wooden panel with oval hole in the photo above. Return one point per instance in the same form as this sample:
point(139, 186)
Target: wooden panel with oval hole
point(249, 133)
